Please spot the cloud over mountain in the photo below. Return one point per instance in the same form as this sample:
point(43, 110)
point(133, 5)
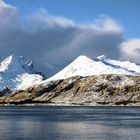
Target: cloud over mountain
point(51, 40)
point(130, 50)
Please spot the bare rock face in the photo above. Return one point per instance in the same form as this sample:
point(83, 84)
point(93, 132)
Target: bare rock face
point(91, 90)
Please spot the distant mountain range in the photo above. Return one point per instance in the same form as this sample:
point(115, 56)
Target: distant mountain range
point(86, 81)
point(16, 73)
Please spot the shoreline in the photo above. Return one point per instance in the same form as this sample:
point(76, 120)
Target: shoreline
point(65, 105)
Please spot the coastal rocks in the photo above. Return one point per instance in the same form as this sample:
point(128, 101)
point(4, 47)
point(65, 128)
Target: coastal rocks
point(91, 90)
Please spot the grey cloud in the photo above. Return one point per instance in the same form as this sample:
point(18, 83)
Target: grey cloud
point(7, 16)
point(92, 44)
point(130, 50)
point(53, 41)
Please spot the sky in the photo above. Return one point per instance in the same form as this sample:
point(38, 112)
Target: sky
point(52, 33)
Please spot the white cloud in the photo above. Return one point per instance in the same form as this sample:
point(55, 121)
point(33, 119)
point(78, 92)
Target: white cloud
point(56, 39)
point(75, 39)
point(42, 19)
point(130, 50)
point(7, 14)
point(105, 23)
point(102, 24)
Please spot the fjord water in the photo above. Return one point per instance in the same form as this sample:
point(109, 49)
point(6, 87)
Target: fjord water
point(69, 123)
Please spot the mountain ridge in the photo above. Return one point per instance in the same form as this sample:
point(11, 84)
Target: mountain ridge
point(16, 73)
point(84, 66)
point(85, 81)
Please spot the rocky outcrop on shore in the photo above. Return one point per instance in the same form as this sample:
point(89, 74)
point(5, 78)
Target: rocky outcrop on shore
point(110, 89)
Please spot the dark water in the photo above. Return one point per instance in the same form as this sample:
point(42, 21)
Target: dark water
point(69, 123)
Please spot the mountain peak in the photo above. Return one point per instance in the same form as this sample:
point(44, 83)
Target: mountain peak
point(16, 72)
point(101, 57)
point(82, 59)
point(84, 66)
point(15, 61)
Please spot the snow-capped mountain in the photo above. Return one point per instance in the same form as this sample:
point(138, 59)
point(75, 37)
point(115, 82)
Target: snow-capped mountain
point(16, 73)
point(84, 66)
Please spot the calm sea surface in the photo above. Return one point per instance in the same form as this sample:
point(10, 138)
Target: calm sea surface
point(69, 123)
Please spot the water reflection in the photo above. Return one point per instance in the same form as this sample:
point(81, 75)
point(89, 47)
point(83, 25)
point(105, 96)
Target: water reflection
point(69, 123)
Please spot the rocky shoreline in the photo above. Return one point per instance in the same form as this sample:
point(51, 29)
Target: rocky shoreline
point(101, 90)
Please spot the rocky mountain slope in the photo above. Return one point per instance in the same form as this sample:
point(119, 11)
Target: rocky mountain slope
point(98, 81)
point(91, 90)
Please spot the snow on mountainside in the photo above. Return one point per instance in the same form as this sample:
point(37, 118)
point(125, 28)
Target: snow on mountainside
point(123, 64)
point(84, 66)
point(16, 73)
